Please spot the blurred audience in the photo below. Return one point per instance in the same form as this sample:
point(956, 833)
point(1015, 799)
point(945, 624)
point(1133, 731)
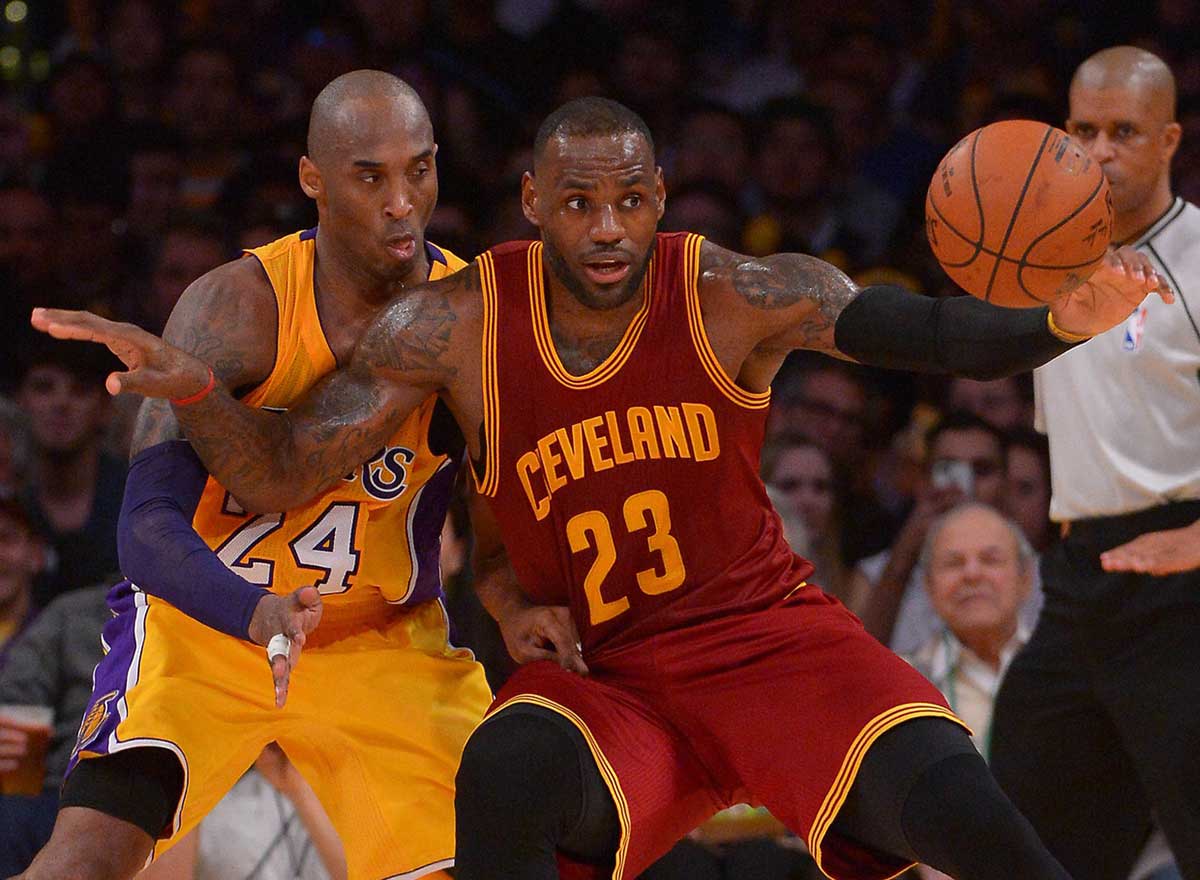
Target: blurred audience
point(74, 494)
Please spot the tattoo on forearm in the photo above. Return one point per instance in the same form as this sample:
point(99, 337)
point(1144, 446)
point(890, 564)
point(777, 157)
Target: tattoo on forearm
point(155, 424)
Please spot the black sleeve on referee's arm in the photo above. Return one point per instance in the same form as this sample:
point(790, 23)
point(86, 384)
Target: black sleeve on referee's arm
point(888, 326)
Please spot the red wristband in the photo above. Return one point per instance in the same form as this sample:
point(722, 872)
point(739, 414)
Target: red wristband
point(199, 395)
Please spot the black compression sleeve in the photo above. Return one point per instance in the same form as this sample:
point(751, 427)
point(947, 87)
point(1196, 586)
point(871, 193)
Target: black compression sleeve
point(888, 326)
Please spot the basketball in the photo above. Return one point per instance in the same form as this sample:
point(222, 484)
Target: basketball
point(1018, 213)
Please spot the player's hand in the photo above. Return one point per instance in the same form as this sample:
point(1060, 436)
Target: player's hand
point(14, 743)
point(1157, 553)
point(294, 616)
point(1110, 294)
point(542, 632)
point(155, 368)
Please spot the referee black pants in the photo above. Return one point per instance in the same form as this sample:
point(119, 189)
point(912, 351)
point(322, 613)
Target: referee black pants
point(1097, 723)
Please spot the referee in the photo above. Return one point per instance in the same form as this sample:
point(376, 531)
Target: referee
point(1097, 724)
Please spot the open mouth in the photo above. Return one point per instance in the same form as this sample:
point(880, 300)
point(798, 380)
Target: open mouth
point(401, 247)
point(606, 271)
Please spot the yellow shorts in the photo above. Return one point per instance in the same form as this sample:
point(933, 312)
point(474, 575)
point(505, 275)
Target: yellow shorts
point(376, 720)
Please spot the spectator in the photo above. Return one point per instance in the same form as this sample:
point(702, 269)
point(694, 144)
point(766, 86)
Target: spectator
point(707, 209)
point(137, 42)
point(76, 492)
point(978, 571)
point(712, 146)
point(888, 588)
point(20, 561)
point(16, 452)
point(155, 167)
point(205, 105)
point(1002, 403)
point(49, 665)
point(185, 253)
point(803, 475)
point(1027, 487)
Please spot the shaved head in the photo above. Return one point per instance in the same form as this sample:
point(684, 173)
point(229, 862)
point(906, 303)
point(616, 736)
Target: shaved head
point(353, 100)
point(1123, 113)
point(1128, 67)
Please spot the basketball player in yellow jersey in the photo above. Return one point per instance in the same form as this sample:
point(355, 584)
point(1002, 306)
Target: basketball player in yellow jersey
point(378, 714)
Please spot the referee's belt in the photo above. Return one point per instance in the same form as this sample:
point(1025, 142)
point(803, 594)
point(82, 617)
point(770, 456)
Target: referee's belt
point(1105, 532)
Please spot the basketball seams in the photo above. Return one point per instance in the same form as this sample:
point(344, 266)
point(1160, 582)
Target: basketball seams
point(1012, 220)
point(1023, 264)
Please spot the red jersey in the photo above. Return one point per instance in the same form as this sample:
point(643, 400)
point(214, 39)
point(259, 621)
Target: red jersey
point(630, 493)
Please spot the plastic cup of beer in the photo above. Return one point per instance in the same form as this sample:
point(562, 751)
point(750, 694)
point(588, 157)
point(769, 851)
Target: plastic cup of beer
point(37, 723)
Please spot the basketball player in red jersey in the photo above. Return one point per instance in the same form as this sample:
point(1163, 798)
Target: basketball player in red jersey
point(613, 384)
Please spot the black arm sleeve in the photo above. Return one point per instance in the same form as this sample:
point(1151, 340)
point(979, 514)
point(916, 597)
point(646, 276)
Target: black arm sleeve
point(888, 326)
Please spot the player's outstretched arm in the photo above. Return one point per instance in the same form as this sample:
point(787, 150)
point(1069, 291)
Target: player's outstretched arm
point(274, 461)
point(772, 305)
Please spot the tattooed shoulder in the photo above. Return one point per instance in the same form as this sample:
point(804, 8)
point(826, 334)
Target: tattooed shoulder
point(779, 281)
point(415, 334)
point(228, 318)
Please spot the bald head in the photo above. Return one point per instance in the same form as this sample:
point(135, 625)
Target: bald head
point(1128, 67)
point(357, 99)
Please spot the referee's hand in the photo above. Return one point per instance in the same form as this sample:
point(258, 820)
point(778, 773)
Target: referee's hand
point(1158, 553)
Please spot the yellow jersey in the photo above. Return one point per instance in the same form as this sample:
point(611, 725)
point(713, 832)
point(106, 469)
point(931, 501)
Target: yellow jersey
point(373, 539)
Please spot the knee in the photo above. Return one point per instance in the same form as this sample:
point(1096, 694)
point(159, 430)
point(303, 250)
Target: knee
point(509, 752)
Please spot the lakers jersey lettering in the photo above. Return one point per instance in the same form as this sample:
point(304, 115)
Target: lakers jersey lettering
point(373, 538)
point(595, 444)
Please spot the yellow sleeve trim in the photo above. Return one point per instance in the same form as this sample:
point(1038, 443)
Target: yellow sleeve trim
point(875, 728)
point(490, 481)
point(708, 358)
point(606, 770)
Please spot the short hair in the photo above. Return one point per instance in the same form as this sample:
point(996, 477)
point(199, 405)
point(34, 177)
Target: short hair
point(1025, 553)
point(962, 420)
point(15, 425)
point(582, 117)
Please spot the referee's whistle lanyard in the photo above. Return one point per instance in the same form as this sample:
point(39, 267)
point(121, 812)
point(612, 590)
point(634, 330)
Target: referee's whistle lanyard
point(950, 692)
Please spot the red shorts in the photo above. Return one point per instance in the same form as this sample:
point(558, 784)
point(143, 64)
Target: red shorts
point(775, 707)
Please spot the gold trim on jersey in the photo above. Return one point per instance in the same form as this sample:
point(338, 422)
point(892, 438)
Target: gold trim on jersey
point(611, 780)
point(836, 796)
point(490, 481)
point(545, 342)
point(708, 357)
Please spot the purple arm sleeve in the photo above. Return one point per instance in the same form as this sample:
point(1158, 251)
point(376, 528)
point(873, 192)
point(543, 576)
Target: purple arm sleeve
point(161, 552)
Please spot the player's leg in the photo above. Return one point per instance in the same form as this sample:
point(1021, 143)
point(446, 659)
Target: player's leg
point(527, 788)
point(125, 800)
point(802, 702)
point(924, 793)
point(560, 758)
point(1056, 752)
point(173, 721)
point(385, 712)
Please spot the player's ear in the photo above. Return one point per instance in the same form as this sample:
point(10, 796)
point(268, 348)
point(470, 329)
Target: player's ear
point(1172, 132)
point(529, 198)
point(310, 178)
point(660, 192)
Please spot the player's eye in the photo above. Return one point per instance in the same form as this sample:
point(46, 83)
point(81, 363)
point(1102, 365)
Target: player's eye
point(632, 201)
point(369, 178)
point(1125, 131)
point(421, 171)
point(1084, 132)
point(577, 203)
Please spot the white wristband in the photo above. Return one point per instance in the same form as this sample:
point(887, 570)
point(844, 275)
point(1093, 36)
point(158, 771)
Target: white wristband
point(279, 646)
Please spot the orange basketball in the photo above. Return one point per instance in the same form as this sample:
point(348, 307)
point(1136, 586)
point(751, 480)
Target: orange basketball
point(1018, 213)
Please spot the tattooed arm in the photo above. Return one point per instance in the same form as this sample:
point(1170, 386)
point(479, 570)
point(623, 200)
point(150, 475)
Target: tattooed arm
point(274, 461)
point(771, 305)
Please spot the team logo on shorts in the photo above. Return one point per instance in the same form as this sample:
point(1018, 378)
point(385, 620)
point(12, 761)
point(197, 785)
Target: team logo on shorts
point(93, 721)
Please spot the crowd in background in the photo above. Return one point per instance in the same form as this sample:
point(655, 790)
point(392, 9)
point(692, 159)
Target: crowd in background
point(143, 143)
